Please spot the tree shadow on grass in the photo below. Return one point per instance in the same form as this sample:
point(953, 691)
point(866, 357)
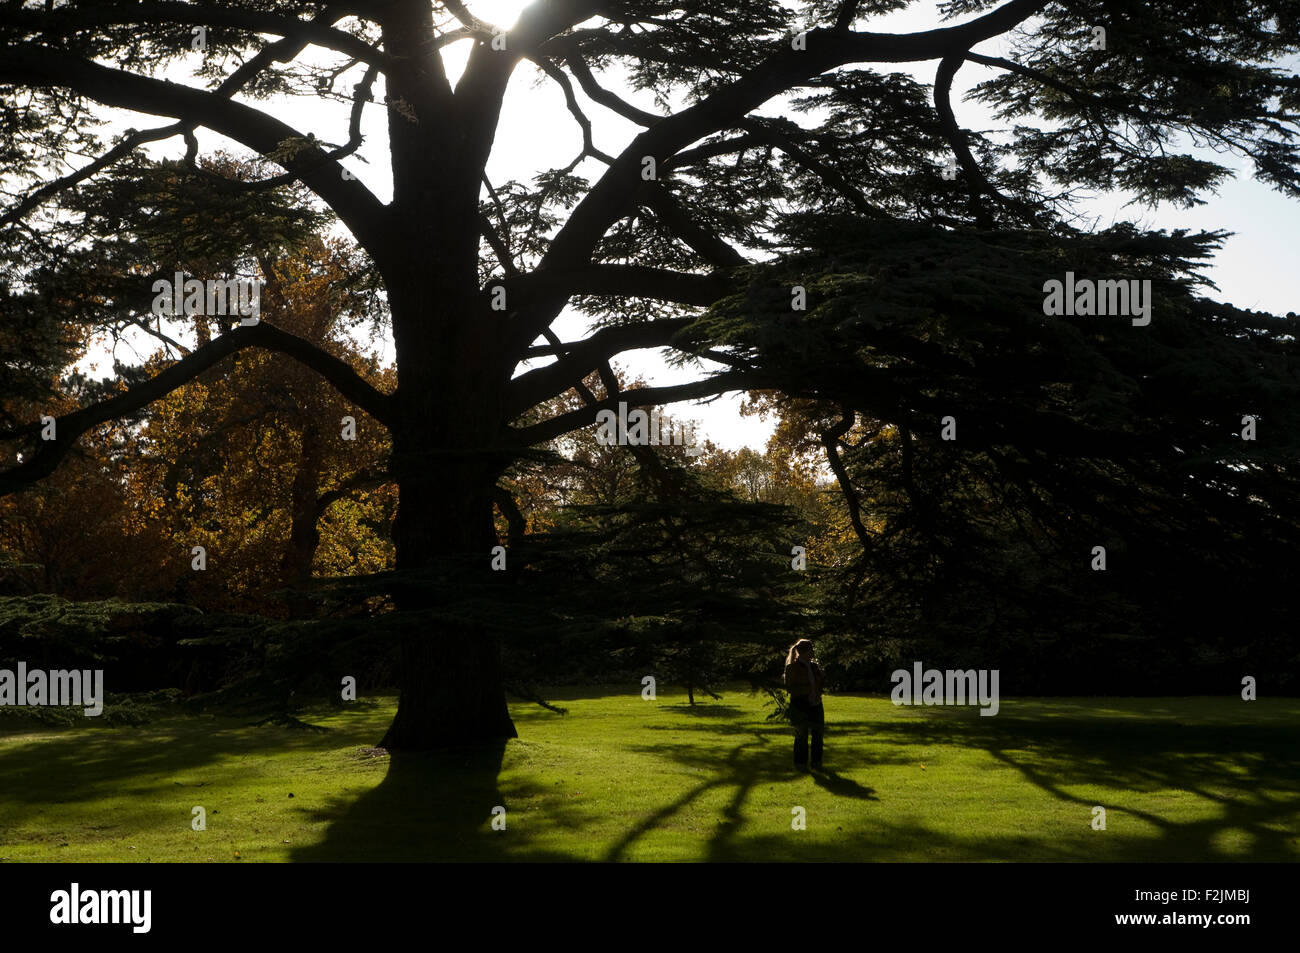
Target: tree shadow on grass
point(738, 768)
point(844, 740)
point(1249, 771)
point(745, 767)
point(429, 808)
point(82, 766)
point(705, 711)
point(60, 782)
point(438, 808)
point(426, 808)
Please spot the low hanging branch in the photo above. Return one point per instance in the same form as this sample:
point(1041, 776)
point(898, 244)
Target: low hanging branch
point(70, 427)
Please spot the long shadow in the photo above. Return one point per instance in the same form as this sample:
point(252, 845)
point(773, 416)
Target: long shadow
point(427, 808)
point(841, 786)
point(734, 768)
point(62, 766)
point(440, 807)
point(725, 846)
point(746, 766)
point(842, 737)
point(711, 710)
point(1250, 771)
point(436, 807)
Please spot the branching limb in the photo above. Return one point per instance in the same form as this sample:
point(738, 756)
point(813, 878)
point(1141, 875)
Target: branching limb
point(719, 147)
point(119, 151)
point(847, 13)
point(704, 241)
point(825, 50)
point(160, 335)
point(471, 23)
point(975, 180)
point(636, 281)
point(482, 86)
point(361, 480)
point(64, 20)
point(830, 440)
point(577, 419)
point(560, 77)
point(364, 215)
point(597, 93)
point(498, 244)
point(71, 426)
point(561, 350)
point(518, 526)
point(537, 385)
point(279, 51)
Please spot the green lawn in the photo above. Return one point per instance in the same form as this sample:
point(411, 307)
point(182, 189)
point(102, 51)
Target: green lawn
point(619, 778)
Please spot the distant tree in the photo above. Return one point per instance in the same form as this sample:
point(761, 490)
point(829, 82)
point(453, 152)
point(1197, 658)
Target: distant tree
point(255, 462)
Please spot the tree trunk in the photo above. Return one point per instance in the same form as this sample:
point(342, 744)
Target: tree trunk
point(447, 421)
point(451, 680)
point(304, 534)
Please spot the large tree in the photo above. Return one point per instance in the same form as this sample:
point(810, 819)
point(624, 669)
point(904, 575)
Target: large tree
point(475, 277)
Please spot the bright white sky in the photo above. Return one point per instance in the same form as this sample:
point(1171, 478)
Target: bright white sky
point(1256, 269)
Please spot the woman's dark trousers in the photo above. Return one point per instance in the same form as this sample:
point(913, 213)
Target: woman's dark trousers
point(806, 717)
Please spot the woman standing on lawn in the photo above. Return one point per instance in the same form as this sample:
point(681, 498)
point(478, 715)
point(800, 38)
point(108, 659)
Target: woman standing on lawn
point(804, 680)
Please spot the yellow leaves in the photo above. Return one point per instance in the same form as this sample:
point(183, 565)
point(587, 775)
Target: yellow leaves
point(232, 459)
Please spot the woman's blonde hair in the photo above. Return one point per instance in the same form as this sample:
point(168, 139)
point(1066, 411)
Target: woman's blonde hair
point(789, 656)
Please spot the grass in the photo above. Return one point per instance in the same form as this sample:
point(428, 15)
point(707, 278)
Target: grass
point(619, 778)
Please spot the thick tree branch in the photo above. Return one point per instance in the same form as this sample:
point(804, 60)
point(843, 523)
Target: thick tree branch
point(160, 335)
point(419, 76)
point(63, 21)
point(468, 20)
point(535, 386)
point(634, 281)
point(518, 526)
point(624, 280)
point(360, 96)
point(278, 51)
point(498, 245)
point(847, 13)
point(704, 241)
point(355, 205)
point(597, 93)
point(561, 350)
point(976, 182)
point(825, 49)
point(482, 86)
point(361, 480)
point(644, 396)
point(719, 147)
point(830, 440)
point(71, 426)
